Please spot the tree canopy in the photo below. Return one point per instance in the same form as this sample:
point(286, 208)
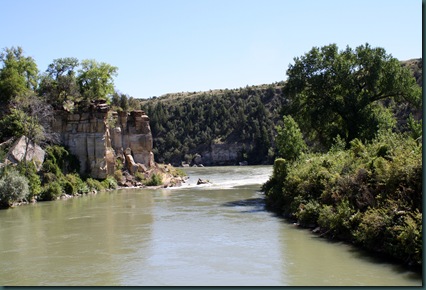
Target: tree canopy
point(334, 92)
point(96, 79)
point(59, 84)
point(289, 139)
point(18, 74)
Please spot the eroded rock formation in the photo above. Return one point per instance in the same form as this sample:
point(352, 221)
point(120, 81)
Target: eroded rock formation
point(98, 137)
point(34, 152)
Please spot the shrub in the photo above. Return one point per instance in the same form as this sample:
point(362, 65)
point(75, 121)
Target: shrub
point(94, 184)
point(410, 238)
point(337, 221)
point(155, 180)
point(273, 187)
point(68, 188)
point(307, 214)
point(49, 166)
point(51, 191)
point(118, 175)
point(65, 161)
point(78, 185)
point(29, 170)
point(371, 232)
point(109, 183)
point(13, 187)
point(140, 176)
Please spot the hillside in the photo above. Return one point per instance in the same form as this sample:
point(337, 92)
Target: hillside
point(225, 127)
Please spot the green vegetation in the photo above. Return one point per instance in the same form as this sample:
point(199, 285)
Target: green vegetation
point(188, 123)
point(289, 139)
point(13, 187)
point(369, 194)
point(361, 180)
point(343, 93)
point(155, 180)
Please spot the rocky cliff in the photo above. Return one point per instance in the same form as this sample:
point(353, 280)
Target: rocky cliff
point(99, 137)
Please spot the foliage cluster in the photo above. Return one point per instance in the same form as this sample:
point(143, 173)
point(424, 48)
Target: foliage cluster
point(350, 93)
point(369, 194)
point(155, 180)
point(13, 187)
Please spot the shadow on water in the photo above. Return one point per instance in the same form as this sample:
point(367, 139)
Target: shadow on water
point(255, 204)
point(411, 272)
point(372, 257)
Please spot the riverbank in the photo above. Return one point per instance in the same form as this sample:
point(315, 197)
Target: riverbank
point(369, 195)
point(21, 184)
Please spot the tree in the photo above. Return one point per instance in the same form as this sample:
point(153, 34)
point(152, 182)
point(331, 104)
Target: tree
point(18, 74)
point(96, 79)
point(289, 139)
point(34, 117)
point(339, 93)
point(59, 84)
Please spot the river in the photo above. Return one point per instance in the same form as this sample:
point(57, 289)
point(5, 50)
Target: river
point(217, 234)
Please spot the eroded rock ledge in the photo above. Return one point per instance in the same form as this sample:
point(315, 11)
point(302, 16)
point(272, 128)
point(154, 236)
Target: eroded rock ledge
point(100, 137)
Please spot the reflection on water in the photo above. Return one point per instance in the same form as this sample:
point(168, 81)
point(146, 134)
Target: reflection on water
point(193, 235)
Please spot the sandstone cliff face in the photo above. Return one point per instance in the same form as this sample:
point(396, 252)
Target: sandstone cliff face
point(99, 137)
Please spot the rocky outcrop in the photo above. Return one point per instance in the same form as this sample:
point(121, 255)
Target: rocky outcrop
point(132, 133)
point(34, 152)
point(98, 137)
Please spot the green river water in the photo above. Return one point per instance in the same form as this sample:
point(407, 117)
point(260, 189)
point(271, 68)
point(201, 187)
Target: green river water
point(213, 235)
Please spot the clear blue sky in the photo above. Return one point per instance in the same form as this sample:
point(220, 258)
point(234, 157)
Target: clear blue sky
point(164, 46)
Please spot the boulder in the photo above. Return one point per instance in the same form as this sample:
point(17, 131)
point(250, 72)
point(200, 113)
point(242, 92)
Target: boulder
point(202, 181)
point(197, 160)
point(34, 152)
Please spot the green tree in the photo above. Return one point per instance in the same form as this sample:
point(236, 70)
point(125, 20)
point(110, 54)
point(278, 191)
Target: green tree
point(289, 139)
point(59, 84)
point(335, 92)
point(18, 74)
point(96, 79)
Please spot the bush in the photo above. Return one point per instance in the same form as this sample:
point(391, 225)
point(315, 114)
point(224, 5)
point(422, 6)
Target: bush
point(338, 221)
point(109, 183)
point(155, 180)
point(29, 170)
point(140, 176)
point(49, 166)
point(409, 238)
point(118, 175)
point(78, 185)
point(371, 232)
point(66, 162)
point(273, 187)
point(68, 188)
point(51, 191)
point(307, 214)
point(94, 184)
point(13, 187)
